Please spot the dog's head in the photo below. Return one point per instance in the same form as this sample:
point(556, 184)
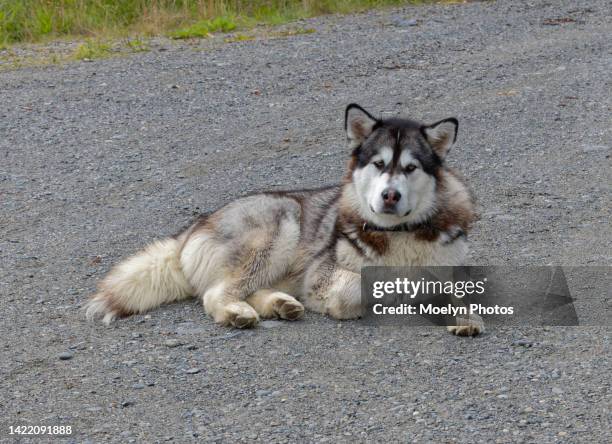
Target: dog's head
point(395, 165)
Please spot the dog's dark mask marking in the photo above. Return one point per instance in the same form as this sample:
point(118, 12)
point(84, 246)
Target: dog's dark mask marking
point(399, 134)
point(370, 134)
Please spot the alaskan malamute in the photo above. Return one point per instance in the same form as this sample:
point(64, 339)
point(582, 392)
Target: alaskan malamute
point(272, 254)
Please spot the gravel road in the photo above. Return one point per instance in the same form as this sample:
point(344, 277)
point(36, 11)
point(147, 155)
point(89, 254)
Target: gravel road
point(100, 158)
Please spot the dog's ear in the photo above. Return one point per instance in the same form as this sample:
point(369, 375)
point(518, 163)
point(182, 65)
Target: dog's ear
point(358, 124)
point(441, 135)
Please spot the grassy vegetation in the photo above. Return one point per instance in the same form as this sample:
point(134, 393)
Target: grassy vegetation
point(92, 49)
point(239, 38)
point(290, 32)
point(40, 20)
point(137, 45)
point(204, 28)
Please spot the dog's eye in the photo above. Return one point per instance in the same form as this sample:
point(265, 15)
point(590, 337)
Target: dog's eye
point(410, 168)
point(379, 164)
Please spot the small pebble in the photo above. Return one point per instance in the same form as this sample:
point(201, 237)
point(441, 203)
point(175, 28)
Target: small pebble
point(65, 356)
point(192, 371)
point(172, 343)
point(523, 343)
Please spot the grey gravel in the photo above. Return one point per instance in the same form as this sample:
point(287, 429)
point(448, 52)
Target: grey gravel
point(65, 356)
point(270, 324)
point(523, 343)
point(171, 343)
point(261, 393)
point(99, 158)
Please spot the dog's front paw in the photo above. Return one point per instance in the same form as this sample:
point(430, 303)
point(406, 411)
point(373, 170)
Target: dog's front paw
point(472, 325)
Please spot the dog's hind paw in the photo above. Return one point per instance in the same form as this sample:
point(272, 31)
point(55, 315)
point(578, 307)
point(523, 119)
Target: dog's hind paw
point(287, 307)
point(470, 326)
point(240, 315)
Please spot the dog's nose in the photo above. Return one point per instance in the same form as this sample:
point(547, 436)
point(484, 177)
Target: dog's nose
point(391, 196)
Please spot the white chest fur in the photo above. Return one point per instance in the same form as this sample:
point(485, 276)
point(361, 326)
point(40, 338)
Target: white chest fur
point(404, 251)
point(413, 252)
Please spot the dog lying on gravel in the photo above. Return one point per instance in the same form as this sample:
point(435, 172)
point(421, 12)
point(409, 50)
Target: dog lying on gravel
point(272, 254)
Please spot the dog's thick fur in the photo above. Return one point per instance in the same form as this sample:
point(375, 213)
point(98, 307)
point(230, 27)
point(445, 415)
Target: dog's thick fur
point(265, 255)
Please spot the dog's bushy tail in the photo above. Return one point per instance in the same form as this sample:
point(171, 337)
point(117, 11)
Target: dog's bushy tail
point(148, 279)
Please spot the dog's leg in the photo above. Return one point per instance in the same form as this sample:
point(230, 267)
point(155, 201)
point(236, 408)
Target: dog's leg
point(333, 290)
point(226, 307)
point(204, 260)
point(466, 324)
point(245, 247)
point(270, 303)
point(470, 325)
point(344, 295)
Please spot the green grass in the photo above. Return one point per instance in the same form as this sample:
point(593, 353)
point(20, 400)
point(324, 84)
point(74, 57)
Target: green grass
point(92, 49)
point(204, 28)
point(291, 32)
point(42, 20)
point(239, 38)
point(137, 45)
